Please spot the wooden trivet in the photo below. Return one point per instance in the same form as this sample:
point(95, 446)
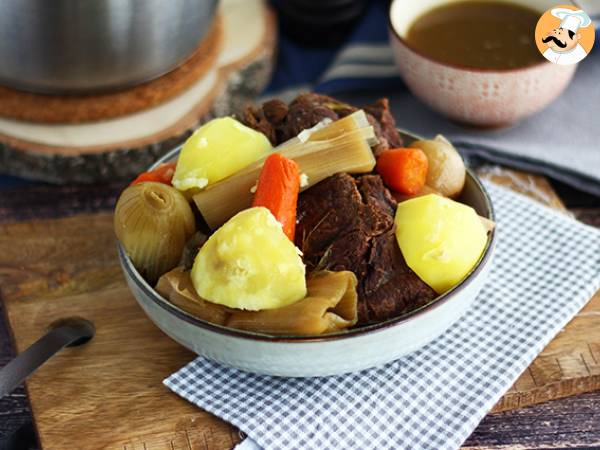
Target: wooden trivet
point(121, 147)
point(108, 394)
point(31, 107)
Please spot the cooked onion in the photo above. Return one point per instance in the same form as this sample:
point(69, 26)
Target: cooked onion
point(446, 173)
point(153, 221)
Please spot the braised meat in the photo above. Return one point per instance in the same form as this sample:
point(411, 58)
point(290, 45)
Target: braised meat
point(280, 122)
point(385, 127)
point(347, 223)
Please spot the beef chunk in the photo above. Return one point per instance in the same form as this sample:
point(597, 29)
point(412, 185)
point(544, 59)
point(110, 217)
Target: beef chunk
point(380, 206)
point(325, 211)
point(389, 285)
point(348, 224)
point(304, 112)
point(256, 119)
point(275, 111)
point(387, 132)
point(280, 122)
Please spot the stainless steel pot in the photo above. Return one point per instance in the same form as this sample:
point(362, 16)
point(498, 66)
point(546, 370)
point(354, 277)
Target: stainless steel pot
point(73, 46)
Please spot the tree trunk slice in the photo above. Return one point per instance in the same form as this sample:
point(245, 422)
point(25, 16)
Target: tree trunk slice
point(108, 394)
point(120, 148)
point(32, 107)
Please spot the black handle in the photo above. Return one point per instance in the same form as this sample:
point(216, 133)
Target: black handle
point(68, 332)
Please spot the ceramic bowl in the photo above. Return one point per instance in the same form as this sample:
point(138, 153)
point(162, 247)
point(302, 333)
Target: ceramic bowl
point(480, 97)
point(333, 354)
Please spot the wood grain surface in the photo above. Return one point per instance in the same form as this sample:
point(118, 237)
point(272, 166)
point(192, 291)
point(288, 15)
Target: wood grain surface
point(108, 394)
point(573, 422)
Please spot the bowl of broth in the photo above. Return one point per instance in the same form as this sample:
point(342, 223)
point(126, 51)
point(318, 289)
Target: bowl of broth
point(475, 61)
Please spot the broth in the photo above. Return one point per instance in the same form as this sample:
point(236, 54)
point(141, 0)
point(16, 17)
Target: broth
point(479, 34)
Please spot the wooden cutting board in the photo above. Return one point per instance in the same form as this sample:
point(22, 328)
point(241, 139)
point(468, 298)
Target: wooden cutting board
point(108, 393)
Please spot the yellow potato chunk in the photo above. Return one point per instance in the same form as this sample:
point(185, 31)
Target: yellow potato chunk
point(217, 150)
point(249, 263)
point(440, 239)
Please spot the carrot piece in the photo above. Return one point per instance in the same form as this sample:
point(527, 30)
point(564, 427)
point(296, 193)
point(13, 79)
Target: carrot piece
point(162, 174)
point(403, 169)
point(277, 189)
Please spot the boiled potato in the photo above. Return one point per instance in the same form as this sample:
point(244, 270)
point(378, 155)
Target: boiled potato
point(217, 150)
point(249, 263)
point(447, 171)
point(440, 239)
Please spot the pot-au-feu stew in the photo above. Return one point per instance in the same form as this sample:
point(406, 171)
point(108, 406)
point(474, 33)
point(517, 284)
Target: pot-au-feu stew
point(302, 219)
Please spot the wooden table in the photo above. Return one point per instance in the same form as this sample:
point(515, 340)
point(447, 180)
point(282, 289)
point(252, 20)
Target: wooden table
point(572, 422)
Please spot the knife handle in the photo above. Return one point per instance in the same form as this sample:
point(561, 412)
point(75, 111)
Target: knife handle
point(67, 332)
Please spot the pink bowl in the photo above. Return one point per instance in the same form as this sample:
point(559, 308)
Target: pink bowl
point(486, 98)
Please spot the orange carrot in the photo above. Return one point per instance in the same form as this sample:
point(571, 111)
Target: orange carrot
point(403, 169)
point(277, 190)
point(162, 174)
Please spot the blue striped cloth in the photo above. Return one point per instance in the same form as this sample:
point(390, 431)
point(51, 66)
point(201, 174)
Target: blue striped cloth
point(363, 69)
point(364, 61)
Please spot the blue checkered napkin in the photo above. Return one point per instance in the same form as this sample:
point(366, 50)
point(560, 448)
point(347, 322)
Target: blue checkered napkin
point(546, 268)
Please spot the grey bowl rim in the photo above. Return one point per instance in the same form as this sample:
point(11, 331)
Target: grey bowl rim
point(151, 293)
